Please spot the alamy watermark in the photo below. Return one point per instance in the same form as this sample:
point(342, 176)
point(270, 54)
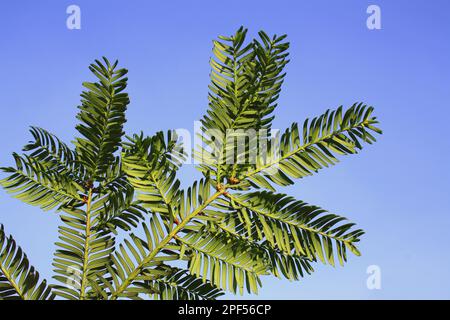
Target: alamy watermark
point(373, 281)
point(73, 21)
point(73, 281)
point(373, 22)
point(234, 146)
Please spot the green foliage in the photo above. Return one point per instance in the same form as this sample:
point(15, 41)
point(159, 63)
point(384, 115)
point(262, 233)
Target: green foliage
point(19, 280)
point(294, 227)
point(331, 134)
point(224, 232)
point(32, 183)
point(102, 115)
point(183, 286)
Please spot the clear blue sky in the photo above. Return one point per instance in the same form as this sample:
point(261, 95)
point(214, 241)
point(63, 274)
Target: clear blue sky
point(397, 190)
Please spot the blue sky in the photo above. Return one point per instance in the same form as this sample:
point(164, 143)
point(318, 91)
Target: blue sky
point(397, 190)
